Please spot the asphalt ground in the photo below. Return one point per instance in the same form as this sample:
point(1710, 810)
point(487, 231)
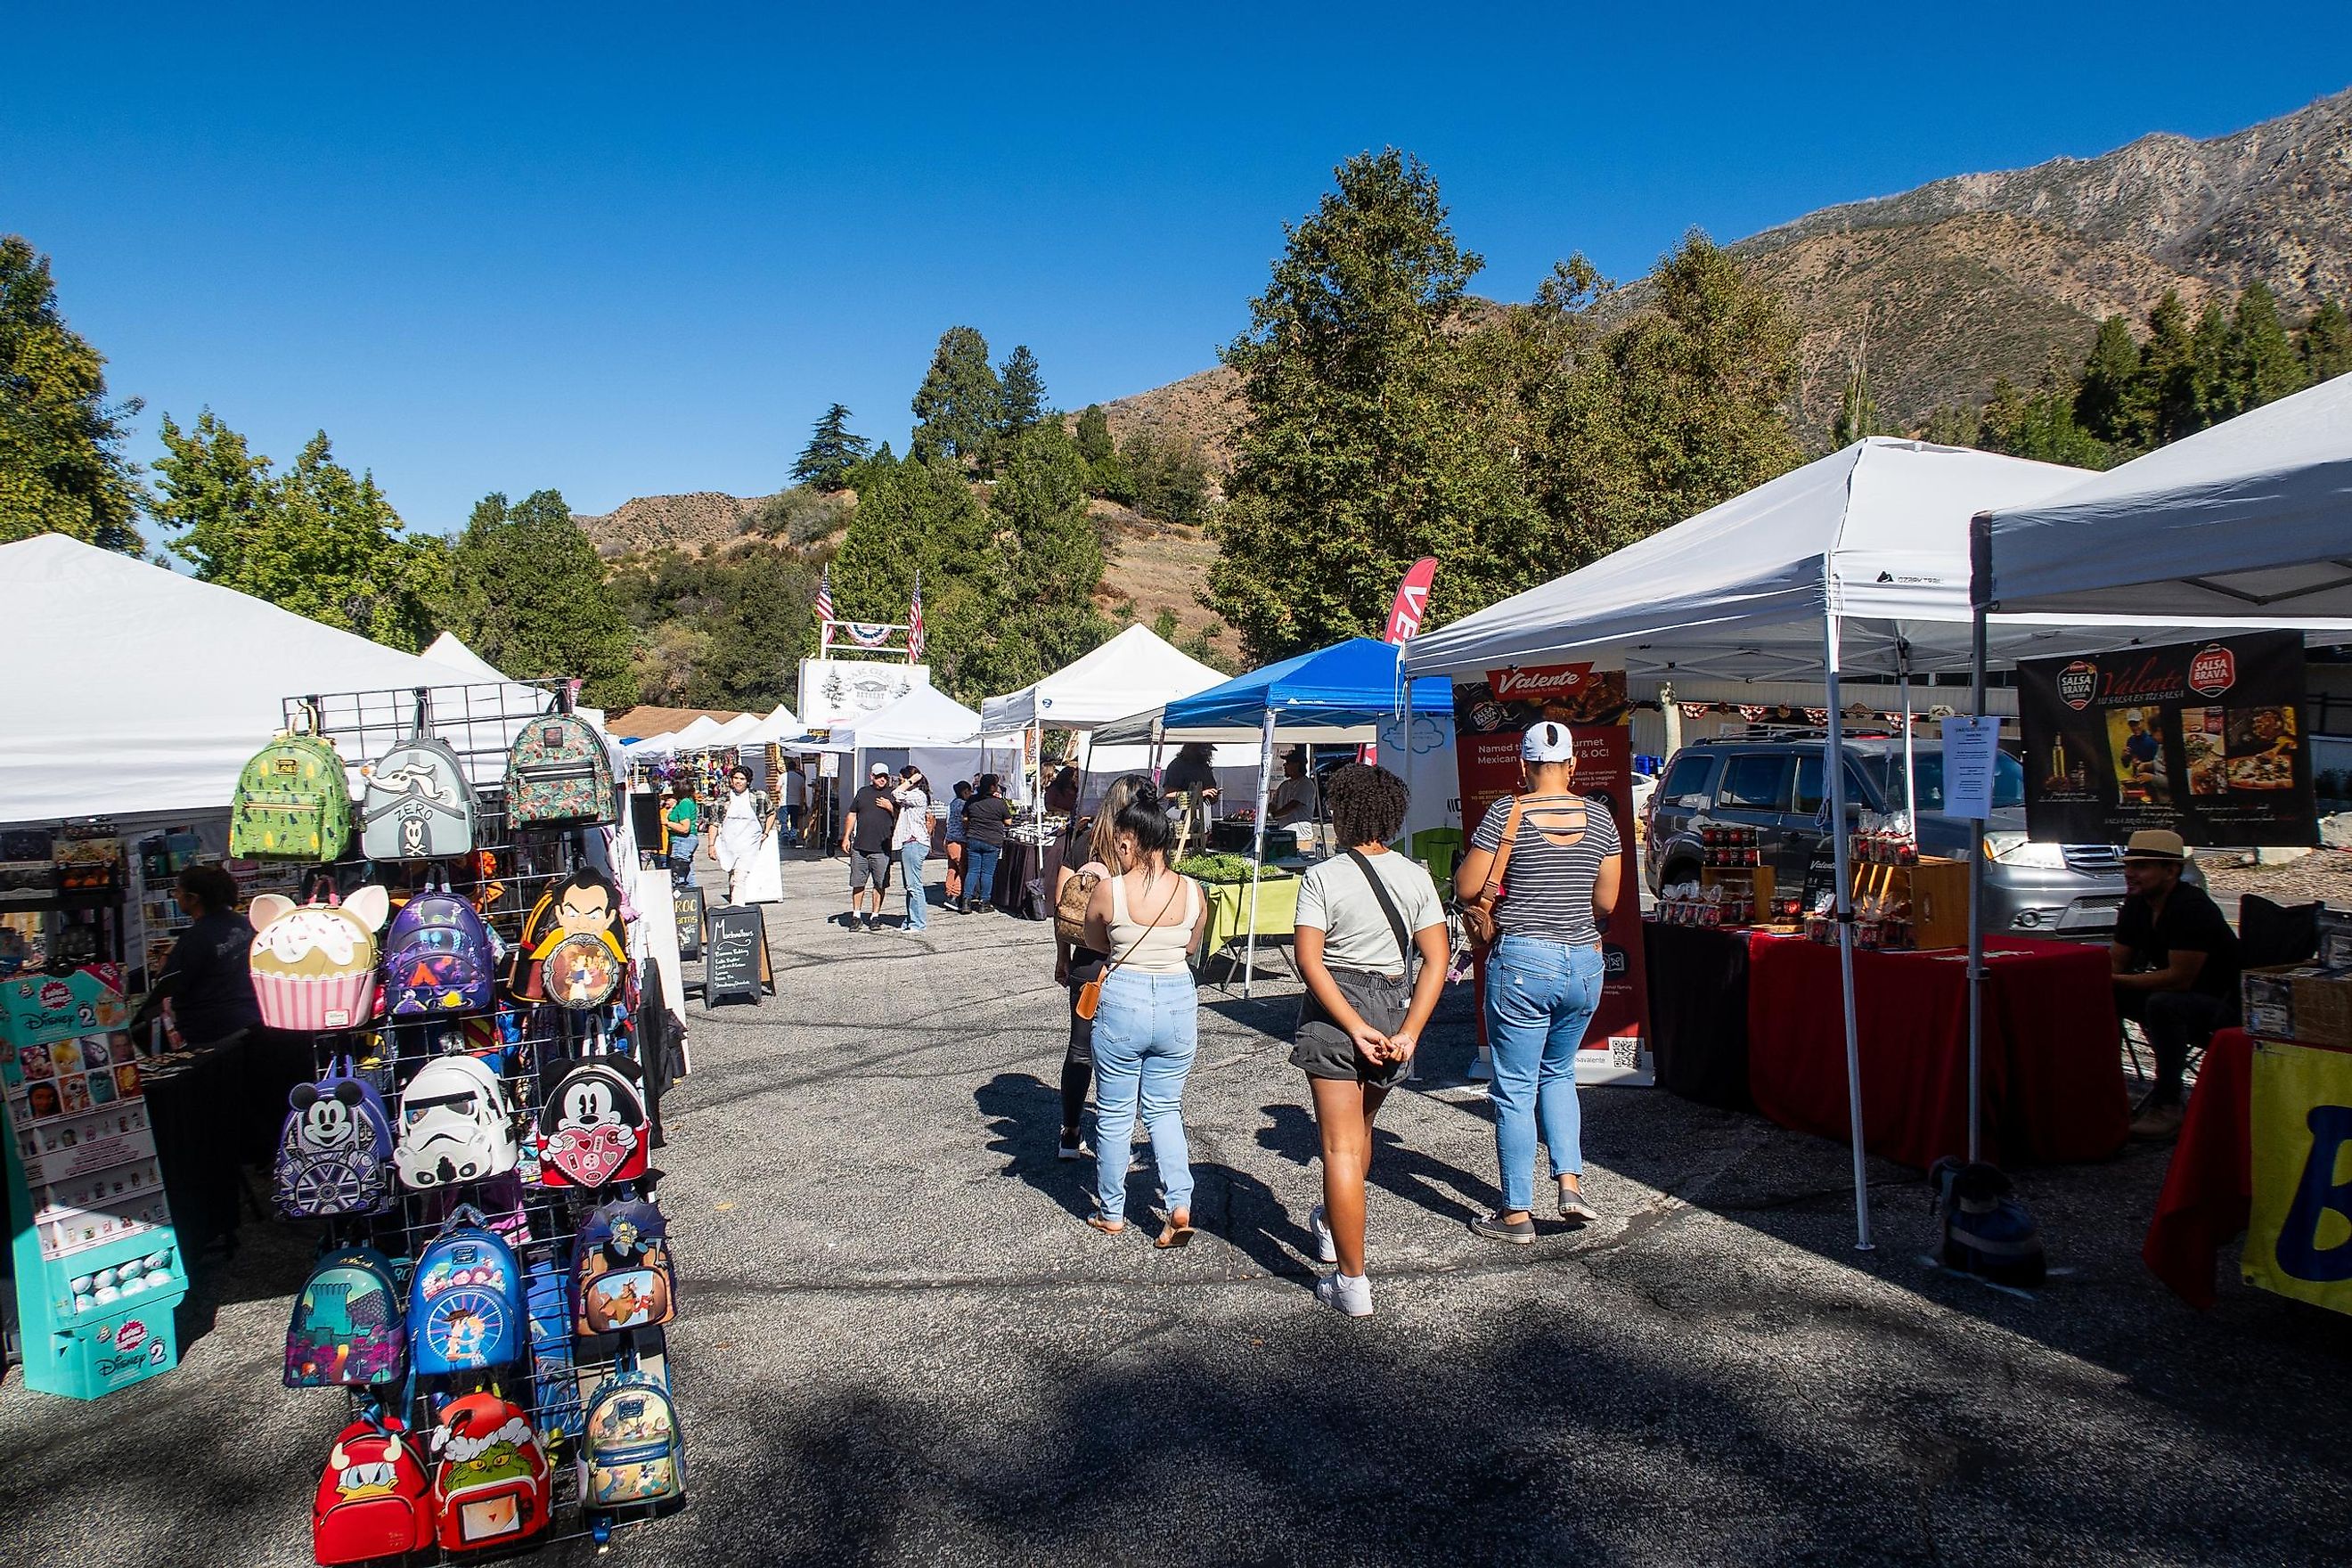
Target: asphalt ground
point(899, 1342)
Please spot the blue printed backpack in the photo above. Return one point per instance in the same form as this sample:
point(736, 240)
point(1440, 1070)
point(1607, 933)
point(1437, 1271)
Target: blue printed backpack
point(349, 1326)
point(632, 1459)
point(334, 1153)
point(465, 1300)
point(439, 959)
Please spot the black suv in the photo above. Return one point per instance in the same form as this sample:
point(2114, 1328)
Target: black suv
point(1775, 786)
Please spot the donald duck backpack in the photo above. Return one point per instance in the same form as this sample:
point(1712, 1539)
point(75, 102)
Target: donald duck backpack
point(374, 1499)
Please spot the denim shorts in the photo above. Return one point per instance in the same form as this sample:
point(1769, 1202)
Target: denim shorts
point(1320, 1048)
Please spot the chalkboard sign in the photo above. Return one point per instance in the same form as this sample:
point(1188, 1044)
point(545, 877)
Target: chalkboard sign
point(735, 963)
point(646, 820)
point(688, 904)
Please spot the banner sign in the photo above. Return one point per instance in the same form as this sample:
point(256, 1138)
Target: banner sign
point(2201, 738)
point(2299, 1235)
point(1412, 600)
point(1489, 718)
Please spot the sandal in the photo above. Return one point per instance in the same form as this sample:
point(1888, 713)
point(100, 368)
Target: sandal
point(1108, 1227)
point(1178, 1232)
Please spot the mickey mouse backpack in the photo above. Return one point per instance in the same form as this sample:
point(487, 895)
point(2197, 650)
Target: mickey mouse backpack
point(490, 1480)
point(293, 800)
point(417, 804)
point(334, 1152)
point(350, 1324)
point(621, 1269)
point(591, 1122)
point(632, 1459)
point(374, 1498)
point(465, 1300)
point(558, 773)
point(439, 959)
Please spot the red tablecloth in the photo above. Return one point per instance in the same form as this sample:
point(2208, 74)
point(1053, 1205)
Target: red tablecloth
point(2210, 1186)
point(2054, 1080)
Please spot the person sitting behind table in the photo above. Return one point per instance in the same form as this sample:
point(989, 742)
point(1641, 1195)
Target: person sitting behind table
point(1298, 798)
point(213, 1002)
point(1062, 794)
point(2175, 963)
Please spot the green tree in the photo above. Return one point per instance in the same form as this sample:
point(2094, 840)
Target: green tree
point(757, 628)
point(2041, 426)
point(924, 516)
point(2326, 342)
point(2260, 365)
point(2109, 405)
point(1021, 392)
point(1094, 433)
point(1055, 558)
point(832, 452)
point(317, 540)
point(1164, 478)
point(529, 594)
point(1857, 411)
point(959, 407)
point(62, 470)
point(2164, 403)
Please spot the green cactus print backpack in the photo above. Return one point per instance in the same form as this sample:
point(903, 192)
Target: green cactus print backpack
point(293, 802)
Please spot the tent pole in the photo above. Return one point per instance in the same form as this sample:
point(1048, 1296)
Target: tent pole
point(1257, 861)
point(1979, 592)
point(1834, 763)
point(1910, 762)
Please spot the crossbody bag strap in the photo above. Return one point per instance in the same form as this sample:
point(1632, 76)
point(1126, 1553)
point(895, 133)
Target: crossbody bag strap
point(1503, 856)
point(1388, 907)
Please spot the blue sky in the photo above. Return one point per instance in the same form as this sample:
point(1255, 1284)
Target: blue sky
point(488, 253)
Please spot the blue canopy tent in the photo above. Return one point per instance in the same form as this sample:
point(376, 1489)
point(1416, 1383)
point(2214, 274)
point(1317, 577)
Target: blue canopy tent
point(1332, 695)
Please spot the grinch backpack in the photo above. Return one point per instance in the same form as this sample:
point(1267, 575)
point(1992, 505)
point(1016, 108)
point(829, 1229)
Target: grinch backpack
point(374, 1498)
point(417, 804)
point(490, 1476)
point(439, 959)
point(465, 1300)
point(350, 1324)
point(621, 1269)
point(591, 1122)
point(631, 1457)
point(558, 773)
point(334, 1152)
point(293, 801)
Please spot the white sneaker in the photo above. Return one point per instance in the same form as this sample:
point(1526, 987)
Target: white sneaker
point(1325, 1249)
point(1343, 1293)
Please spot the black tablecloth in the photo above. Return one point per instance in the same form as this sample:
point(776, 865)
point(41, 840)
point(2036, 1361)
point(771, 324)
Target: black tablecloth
point(1017, 866)
point(1698, 1011)
point(217, 1110)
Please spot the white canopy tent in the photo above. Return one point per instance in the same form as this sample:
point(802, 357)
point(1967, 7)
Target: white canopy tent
point(930, 729)
point(780, 725)
point(447, 649)
point(1136, 669)
point(140, 691)
point(735, 731)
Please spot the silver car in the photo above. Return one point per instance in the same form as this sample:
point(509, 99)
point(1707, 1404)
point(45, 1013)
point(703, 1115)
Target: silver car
point(1775, 786)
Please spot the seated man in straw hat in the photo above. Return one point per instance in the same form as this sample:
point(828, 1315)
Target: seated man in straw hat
point(2175, 961)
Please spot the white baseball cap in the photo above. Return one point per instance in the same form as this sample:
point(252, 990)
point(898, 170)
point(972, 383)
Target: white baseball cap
point(1547, 742)
point(2134, 716)
point(879, 770)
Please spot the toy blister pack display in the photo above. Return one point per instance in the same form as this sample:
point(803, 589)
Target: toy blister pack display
point(493, 1278)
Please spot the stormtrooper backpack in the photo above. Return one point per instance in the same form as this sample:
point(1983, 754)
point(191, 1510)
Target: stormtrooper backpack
point(417, 804)
point(457, 1124)
point(465, 1300)
point(374, 1498)
point(631, 1458)
point(439, 959)
point(592, 1126)
point(350, 1323)
point(621, 1269)
point(334, 1153)
point(491, 1483)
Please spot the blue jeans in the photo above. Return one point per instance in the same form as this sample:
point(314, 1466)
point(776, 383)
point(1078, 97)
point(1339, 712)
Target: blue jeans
point(911, 872)
point(1540, 996)
point(980, 870)
point(682, 847)
point(1146, 1031)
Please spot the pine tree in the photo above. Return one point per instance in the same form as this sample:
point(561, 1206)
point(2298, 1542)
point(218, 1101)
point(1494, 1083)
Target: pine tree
point(1094, 433)
point(2261, 365)
point(832, 452)
point(2206, 400)
point(529, 594)
point(2107, 403)
point(2327, 345)
point(61, 464)
point(1021, 392)
point(959, 407)
point(2041, 426)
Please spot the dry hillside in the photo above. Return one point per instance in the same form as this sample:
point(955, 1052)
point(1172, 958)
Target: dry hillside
point(689, 522)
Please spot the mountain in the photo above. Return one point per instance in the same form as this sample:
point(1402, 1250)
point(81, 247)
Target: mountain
point(689, 522)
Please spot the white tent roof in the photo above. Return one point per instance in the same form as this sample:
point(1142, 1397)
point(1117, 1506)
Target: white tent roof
point(2250, 519)
point(735, 730)
point(779, 725)
point(446, 649)
point(924, 717)
point(1134, 670)
point(1876, 533)
point(136, 689)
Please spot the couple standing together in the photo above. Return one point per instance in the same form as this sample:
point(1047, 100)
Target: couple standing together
point(1364, 917)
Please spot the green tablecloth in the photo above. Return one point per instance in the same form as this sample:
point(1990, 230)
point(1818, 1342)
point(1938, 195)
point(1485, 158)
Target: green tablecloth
point(1229, 909)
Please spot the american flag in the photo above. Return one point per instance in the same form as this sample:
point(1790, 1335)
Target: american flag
point(915, 623)
point(824, 597)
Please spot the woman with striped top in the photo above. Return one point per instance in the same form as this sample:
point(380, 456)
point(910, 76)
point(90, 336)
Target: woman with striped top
point(1555, 855)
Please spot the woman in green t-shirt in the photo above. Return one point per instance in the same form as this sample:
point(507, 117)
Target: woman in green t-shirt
point(684, 821)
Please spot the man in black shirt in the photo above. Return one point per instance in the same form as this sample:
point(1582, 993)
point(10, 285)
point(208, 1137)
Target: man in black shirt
point(2175, 961)
point(866, 839)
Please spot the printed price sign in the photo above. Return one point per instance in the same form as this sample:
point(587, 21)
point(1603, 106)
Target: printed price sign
point(1971, 756)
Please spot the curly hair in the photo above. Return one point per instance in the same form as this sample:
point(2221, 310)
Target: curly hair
point(1367, 804)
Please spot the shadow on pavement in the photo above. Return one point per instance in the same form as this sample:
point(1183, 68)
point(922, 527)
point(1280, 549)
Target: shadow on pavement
point(1426, 1182)
point(1024, 1122)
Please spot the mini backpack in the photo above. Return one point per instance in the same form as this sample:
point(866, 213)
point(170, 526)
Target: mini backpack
point(621, 1269)
point(350, 1323)
point(1986, 1231)
point(559, 776)
point(457, 1124)
point(490, 1479)
point(293, 801)
point(439, 959)
point(591, 1125)
point(334, 1152)
point(465, 1300)
point(314, 964)
point(374, 1498)
point(417, 804)
point(631, 1455)
point(545, 927)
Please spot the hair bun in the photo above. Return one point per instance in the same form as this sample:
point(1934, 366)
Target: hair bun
point(1146, 794)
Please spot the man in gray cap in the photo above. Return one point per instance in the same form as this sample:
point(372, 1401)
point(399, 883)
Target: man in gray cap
point(2175, 961)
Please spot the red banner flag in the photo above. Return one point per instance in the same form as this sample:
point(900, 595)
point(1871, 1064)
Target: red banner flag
point(1412, 600)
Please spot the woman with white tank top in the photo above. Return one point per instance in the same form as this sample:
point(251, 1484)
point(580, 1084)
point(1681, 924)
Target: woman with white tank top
point(1147, 1023)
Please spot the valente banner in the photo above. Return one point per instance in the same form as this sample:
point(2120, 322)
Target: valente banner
point(2201, 738)
point(1489, 718)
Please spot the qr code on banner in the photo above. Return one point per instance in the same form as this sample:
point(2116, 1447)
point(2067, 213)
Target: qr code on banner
point(1625, 1051)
